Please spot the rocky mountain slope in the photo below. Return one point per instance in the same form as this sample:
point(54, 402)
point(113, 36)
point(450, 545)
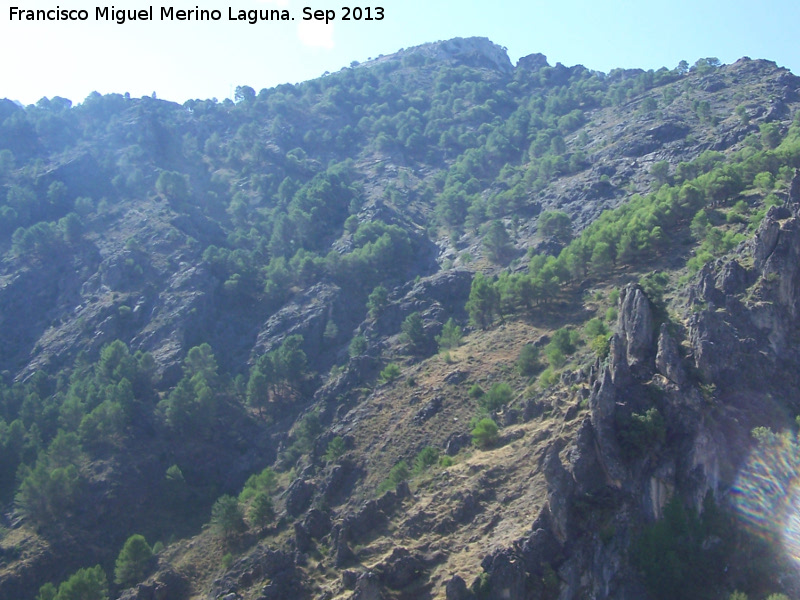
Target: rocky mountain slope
point(432, 326)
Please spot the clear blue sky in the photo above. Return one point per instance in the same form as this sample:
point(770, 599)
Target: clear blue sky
point(182, 60)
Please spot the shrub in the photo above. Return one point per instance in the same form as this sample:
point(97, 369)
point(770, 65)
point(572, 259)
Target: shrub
point(528, 361)
point(476, 392)
point(335, 449)
point(226, 516)
point(261, 510)
point(413, 331)
point(377, 301)
point(84, 584)
point(555, 357)
point(358, 345)
point(134, 561)
point(600, 345)
point(265, 482)
point(450, 336)
point(390, 373)
point(595, 327)
point(639, 432)
point(484, 434)
point(564, 340)
point(499, 395)
point(548, 377)
point(397, 475)
point(427, 457)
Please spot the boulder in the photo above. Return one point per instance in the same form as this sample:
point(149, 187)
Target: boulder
point(456, 589)
point(456, 442)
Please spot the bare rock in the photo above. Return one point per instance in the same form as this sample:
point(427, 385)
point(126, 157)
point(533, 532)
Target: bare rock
point(317, 523)
point(302, 538)
point(456, 442)
point(635, 325)
point(507, 577)
point(349, 579)
point(400, 569)
point(455, 377)
point(430, 409)
point(668, 358)
point(298, 496)
point(456, 588)
point(368, 587)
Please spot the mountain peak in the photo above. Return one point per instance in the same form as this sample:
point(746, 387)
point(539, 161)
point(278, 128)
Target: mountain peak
point(472, 51)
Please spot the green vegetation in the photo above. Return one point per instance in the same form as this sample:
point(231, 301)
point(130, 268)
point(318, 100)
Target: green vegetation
point(397, 475)
point(389, 373)
point(498, 396)
point(450, 337)
point(476, 392)
point(227, 517)
point(261, 511)
point(376, 303)
point(563, 344)
point(677, 558)
point(640, 432)
point(358, 345)
point(413, 332)
point(84, 584)
point(426, 458)
point(484, 433)
point(134, 561)
point(528, 361)
point(599, 336)
point(277, 377)
point(244, 206)
point(264, 482)
point(556, 225)
point(335, 450)
point(548, 378)
point(639, 230)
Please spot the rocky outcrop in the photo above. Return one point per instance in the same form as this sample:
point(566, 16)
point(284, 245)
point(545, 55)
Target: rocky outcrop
point(636, 326)
point(533, 62)
point(456, 589)
point(298, 496)
point(473, 51)
point(166, 585)
point(261, 564)
point(668, 358)
point(401, 569)
point(308, 315)
point(368, 587)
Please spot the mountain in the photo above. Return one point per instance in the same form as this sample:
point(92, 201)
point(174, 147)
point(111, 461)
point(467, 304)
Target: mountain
point(435, 325)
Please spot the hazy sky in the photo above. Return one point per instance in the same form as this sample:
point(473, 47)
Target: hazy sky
point(191, 59)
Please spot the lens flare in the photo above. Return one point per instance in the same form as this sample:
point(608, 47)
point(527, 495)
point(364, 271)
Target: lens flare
point(766, 493)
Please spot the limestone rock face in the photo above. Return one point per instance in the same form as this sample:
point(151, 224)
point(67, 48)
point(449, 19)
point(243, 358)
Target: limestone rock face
point(776, 254)
point(635, 325)
point(668, 358)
